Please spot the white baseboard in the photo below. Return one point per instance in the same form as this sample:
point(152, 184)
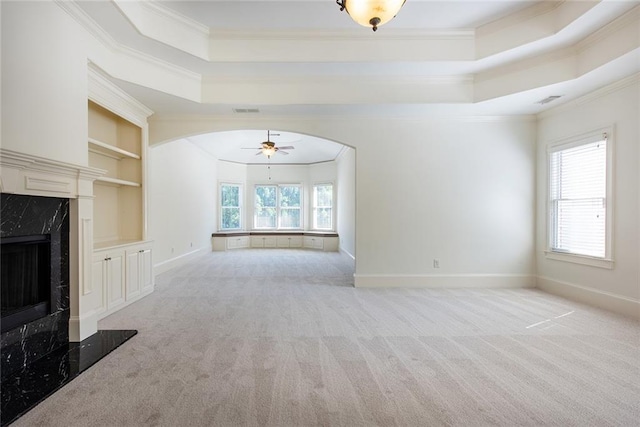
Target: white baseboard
point(601, 299)
point(167, 265)
point(444, 281)
point(347, 253)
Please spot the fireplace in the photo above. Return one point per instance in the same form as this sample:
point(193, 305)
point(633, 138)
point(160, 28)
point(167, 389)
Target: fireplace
point(25, 278)
point(34, 298)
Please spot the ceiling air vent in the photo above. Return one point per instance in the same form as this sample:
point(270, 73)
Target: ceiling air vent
point(245, 110)
point(549, 99)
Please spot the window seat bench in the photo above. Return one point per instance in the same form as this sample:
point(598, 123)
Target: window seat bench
point(322, 240)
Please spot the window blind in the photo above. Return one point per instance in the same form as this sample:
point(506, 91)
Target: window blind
point(578, 189)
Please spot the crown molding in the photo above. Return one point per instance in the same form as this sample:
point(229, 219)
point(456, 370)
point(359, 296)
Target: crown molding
point(592, 96)
point(88, 23)
point(165, 12)
point(355, 34)
point(159, 23)
point(516, 18)
point(108, 95)
point(105, 39)
point(218, 119)
point(321, 79)
point(632, 17)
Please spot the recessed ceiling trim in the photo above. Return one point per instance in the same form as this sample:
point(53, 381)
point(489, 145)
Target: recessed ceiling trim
point(344, 34)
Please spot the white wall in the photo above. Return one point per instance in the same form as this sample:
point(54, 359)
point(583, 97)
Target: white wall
point(44, 82)
point(459, 191)
point(346, 201)
point(618, 288)
point(182, 201)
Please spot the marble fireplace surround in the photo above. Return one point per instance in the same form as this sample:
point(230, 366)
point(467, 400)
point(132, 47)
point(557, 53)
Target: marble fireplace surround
point(25, 174)
point(30, 216)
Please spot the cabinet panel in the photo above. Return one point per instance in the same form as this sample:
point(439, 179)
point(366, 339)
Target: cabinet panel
point(139, 272)
point(257, 242)
point(146, 267)
point(295, 242)
point(237, 242)
point(115, 280)
point(133, 274)
point(99, 277)
point(313, 242)
point(270, 241)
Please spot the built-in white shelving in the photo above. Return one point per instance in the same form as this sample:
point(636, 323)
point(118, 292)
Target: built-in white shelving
point(99, 147)
point(116, 182)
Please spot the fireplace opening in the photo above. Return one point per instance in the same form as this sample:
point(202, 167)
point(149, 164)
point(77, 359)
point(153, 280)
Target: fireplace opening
point(25, 273)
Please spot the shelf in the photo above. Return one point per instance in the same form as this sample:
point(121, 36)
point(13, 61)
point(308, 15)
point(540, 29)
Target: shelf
point(110, 150)
point(116, 182)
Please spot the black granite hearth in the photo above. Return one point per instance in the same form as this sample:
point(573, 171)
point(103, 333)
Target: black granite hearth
point(24, 389)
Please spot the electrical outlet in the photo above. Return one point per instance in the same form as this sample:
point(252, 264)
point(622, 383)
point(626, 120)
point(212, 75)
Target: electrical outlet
point(191, 244)
point(171, 250)
point(436, 263)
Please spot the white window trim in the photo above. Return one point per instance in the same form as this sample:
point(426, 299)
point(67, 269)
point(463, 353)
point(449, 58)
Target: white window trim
point(277, 227)
point(241, 201)
point(607, 261)
point(333, 206)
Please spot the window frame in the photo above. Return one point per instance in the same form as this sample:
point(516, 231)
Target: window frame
point(314, 207)
point(567, 143)
point(240, 202)
point(279, 209)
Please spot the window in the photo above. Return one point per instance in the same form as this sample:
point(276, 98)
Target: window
point(230, 206)
point(278, 206)
point(322, 207)
point(266, 207)
point(579, 182)
point(290, 214)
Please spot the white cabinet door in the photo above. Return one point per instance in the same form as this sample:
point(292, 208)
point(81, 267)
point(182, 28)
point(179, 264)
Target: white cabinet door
point(308, 242)
point(139, 272)
point(99, 277)
point(270, 242)
point(238, 242)
point(257, 242)
point(133, 274)
point(115, 279)
point(295, 242)
point(283, 241)
point(146, 270)
point(313, 242)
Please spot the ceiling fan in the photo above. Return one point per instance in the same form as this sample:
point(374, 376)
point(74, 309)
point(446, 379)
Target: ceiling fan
point(268, 147)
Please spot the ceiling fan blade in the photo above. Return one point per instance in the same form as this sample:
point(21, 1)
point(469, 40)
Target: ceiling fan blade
point(282, 152)
point(250, 148)
point(286, 147)
point(258, 153)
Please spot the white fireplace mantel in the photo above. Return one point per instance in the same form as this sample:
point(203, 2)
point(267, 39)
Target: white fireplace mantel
point(22, 173)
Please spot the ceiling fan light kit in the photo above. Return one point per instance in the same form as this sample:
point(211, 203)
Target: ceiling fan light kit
point(268, 147)
point(371, 13)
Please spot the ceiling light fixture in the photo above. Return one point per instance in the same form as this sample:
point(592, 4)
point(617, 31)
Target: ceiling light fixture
point(268, 150)
point(371, 13)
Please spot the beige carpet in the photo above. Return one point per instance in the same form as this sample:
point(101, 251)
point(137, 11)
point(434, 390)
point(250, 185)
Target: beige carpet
point(281, 338)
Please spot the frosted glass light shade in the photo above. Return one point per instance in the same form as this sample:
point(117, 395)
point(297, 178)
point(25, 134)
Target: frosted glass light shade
point(269, 151)
point(372, 13)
